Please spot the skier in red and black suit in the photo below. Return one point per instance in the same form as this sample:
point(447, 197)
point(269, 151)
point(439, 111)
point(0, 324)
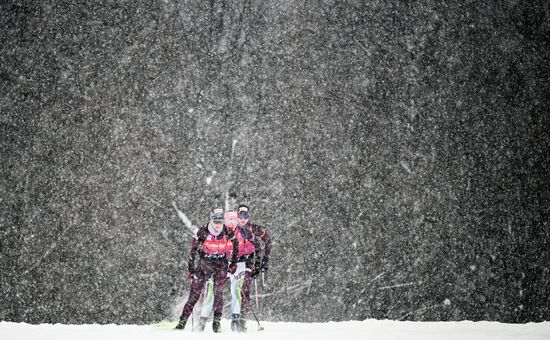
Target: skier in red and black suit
point(249, 236)
point(210, 243)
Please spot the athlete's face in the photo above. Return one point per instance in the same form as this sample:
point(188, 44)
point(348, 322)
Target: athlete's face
point(218, 225)
point(232, 224)
point(243, 217)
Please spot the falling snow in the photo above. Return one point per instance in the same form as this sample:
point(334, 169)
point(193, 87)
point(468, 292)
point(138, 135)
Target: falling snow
point(396, 151)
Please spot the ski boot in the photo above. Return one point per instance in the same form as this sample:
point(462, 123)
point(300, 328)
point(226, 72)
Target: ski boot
point(202, 324)
point(216, 327)
point(181, 323)
point(236, 322)
point(242, 325)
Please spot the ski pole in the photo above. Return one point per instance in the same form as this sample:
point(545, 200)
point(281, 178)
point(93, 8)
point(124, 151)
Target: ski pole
point(260, 328)
point(256, 293)
point(264, 279)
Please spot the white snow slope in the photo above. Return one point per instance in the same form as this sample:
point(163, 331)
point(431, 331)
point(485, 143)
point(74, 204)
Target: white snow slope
point(368, 330)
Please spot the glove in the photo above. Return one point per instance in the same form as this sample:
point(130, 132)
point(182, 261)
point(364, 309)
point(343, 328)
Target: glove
point(232, 268)
point(257, 269)
point(264, 264)
point(190, 270)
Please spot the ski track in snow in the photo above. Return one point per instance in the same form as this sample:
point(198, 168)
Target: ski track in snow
point(369, 329)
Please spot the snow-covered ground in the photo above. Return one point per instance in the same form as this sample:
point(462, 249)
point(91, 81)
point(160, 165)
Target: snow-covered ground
point(369, 329)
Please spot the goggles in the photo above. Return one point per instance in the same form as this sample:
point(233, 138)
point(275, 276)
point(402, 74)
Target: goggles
point(243, 215)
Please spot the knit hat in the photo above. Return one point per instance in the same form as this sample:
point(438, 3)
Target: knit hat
point(230, 217)
point(243, 212)
point(217, 215)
